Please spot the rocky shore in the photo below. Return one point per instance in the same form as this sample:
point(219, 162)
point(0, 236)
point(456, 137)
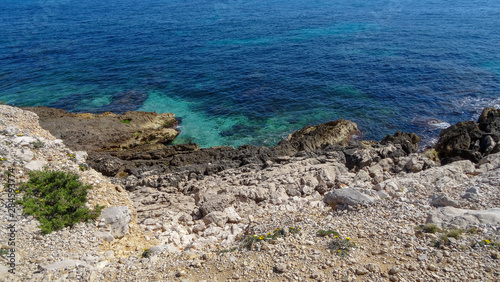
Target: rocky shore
point(321, 205)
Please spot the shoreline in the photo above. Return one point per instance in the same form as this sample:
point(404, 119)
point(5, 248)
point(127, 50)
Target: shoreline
point(193, 214)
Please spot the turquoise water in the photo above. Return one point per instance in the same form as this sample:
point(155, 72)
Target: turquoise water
point(250, 72)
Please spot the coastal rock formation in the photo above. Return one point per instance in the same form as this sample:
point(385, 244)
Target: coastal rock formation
point(311, 138)
point(107, 131)
point(469, 140)
point(222, 224)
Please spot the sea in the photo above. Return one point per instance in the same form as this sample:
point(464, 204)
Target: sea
point(240, 72)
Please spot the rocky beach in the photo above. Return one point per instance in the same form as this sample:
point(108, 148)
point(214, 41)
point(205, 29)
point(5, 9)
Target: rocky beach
point(322, 205)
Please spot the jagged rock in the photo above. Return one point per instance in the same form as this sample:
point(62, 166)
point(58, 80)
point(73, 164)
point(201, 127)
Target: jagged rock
point(346, 196)
point(442, 200)
point(217, 217)
point(473, 193)
point(470, 140)
point(118, 219)
point(213, 202)
point(232, 215)
point(414, 164)
point(310, 138)
point(407, 143)
point(360, 158)
point(106, 236)
point(105, 164)
point(450, 217)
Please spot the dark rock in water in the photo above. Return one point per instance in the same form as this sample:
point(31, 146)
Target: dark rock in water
point(125, 101)
point(310, 138)
point(469, 140)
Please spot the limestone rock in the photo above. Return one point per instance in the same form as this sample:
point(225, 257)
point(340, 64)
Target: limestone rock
point(310, 138)
point(461, 218)
point(118, 219)
point(65, 264)
point(213, 202)
point(36, 165)
point(347, 196)
point(443, 200)
point(217, 217)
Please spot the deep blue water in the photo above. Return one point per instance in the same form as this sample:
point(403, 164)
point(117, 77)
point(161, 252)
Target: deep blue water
point(251, 72)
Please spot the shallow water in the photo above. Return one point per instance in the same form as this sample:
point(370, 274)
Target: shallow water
point(251, 72)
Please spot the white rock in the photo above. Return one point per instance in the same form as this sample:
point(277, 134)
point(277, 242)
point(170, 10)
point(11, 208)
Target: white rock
point(451, 217)
point(36, 165)
point(118, 219)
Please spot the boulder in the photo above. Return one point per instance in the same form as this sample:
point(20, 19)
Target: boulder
point(469, 140)
point(117, 218)
point(443, 200)
point(406, 143)
point(217, 217)
point(36, 165)
point(214, 202)
point(310, 138)
point(347, 196)
point(450, 217)
point(473, 193)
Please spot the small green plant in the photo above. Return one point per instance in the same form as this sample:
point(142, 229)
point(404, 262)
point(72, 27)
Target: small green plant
point(72, 157)
point(3, 252)
point(473, 230)
point(37, 145)
point(455, 233)
point(125, 120)
point(250, 240)
point(341, 246)
point(137, 134)
point(83, 166)
point(488, 243)
point(57, 199)
point(2, 159)
point(323, 233)
point(146, 253)
point(430, 228)
point(228, 250)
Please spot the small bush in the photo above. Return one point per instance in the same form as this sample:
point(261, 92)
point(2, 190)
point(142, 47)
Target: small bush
point(125, 121)
point(341, 247)
point(57, 199)
point(473, 230)
point(455, 233)
point(430, 228)
point(323, 233)
point(146, 254)
point(250, 240)
point(37, 145)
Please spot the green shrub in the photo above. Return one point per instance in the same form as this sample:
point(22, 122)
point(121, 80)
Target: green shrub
point(37, 145)
point(57, 199)
point(146, 253)
point(455, 233)
point(341, 246)
point(430, 228)
point(323, 233)
point(125, 120)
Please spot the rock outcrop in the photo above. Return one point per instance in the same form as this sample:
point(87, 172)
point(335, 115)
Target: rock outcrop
point(108, 131)
point(217, 220)
point(469, 140)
